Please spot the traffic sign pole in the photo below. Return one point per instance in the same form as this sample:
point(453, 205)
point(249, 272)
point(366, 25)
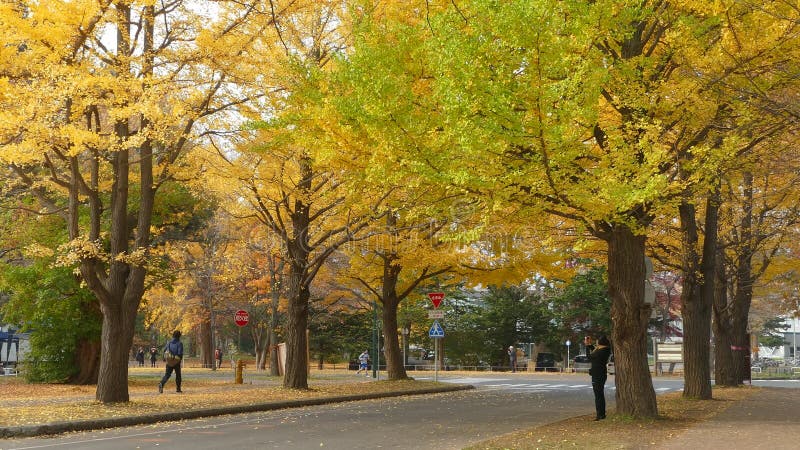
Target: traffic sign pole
point(436, 360)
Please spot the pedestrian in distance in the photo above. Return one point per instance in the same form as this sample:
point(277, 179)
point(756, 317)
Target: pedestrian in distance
point(363, 361)
point(173, 356)
point(599, 373)
point(140, 357)
point(153, 356)
point(218, 357)
point(512, 358)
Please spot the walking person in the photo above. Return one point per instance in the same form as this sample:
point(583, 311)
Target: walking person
point(140, 357)
point(153, 356)
point(512, 358)
point(218, 357)
point(363, 360)
point(599, 373)
point(173, 356)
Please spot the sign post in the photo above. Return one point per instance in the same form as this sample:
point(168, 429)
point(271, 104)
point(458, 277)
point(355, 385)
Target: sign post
point(436, 333)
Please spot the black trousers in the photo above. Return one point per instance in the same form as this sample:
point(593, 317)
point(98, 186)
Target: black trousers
point(177, 369)
point(598, 386)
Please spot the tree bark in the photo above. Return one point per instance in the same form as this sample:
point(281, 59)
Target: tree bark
point(119, 318)
point(697, 297)
point(276, 266)
point(204, 344)
point(626, 273)
point(87, 356)
point(734, 315)
point(296, 376)
point(395, 368)
point(274, 370)
point(298, 249)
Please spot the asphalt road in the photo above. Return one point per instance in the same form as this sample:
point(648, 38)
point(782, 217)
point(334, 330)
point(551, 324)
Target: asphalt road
point(500, 404)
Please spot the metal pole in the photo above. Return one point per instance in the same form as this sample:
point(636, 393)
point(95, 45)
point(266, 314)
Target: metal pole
point(436, 359)
point(655, 355)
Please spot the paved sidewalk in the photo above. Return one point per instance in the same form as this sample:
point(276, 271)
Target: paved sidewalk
point(768, 419)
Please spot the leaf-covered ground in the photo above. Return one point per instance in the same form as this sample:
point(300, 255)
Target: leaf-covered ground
point(30, 404)
point(676, 415)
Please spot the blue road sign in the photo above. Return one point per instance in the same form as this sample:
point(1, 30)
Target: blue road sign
point(436, 330)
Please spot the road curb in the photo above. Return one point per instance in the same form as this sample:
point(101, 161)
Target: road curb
point(112, 422)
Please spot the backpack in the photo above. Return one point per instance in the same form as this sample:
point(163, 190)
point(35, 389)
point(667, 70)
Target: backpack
point(171, 358)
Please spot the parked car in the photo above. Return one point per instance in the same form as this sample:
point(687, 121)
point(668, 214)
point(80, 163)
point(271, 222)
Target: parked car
point(545, 361)
point(581, 363)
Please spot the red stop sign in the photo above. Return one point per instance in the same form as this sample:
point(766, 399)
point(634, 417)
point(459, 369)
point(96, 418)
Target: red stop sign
point(241, 317)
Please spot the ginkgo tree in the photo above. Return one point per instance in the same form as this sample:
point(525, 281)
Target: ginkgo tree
point(589, 111)
point(100, 99)
point(287, 175)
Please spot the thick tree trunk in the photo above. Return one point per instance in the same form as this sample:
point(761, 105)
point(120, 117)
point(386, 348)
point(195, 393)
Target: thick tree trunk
point(697, 298)
point(736, 312)
point(395, 368)
point(724, 373)
point(87, 357)
point(119, 318)
point(626, 273)
point(296, 376)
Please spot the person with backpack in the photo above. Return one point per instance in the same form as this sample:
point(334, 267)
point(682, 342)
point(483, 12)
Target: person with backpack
point(173, 355)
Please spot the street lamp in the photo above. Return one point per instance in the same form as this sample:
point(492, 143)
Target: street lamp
point(568, 344)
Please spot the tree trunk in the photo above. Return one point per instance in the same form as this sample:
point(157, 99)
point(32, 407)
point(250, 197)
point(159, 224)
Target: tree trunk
point(296, 376)
point(626, 273)
point(724, 373)
point(119, 318)
point(697, 297)
point(205, 345)
point(274, 370)
point(261, 339)
point(87, 357)
point(273, 321)
point(734, 315)
point(395, 369)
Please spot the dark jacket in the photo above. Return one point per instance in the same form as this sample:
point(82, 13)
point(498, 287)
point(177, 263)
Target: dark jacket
point(599, 358)
point(175, 346)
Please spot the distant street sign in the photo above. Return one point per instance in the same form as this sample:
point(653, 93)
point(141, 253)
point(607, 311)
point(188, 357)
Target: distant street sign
point(436, 314)
point(436, 330)
point(241, 317)
point(436, 298)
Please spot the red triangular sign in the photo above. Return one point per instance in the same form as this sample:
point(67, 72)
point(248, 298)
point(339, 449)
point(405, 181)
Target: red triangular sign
point(436, 298)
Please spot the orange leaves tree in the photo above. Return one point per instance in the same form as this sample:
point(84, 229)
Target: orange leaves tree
point(101, 98)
